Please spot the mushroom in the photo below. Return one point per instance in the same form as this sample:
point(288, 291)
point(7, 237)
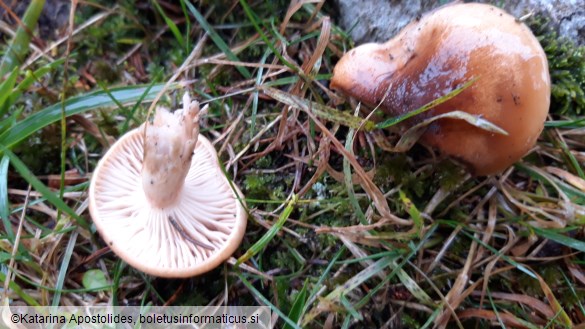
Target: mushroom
point(442, 51)
point(161, 201)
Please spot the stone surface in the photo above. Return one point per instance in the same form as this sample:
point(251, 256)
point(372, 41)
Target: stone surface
point(54, 17)
point(379, 20)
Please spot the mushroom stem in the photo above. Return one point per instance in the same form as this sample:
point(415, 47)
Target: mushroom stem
point(168, 149)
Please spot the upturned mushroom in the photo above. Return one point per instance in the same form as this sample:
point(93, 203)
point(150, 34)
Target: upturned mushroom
point(440, 52)
point(161, 202)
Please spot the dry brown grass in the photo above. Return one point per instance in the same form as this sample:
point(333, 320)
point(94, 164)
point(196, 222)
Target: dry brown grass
point(341, 233)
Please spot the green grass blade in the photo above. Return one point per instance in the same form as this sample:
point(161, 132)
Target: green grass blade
point(6, 90)
point(573, 291)
point(393, 121)
point(217, 39)
point(8, 122)
point(131, 114)
point(172, 26)
point(14, 287)
point(576, 195)
point(18, 48)
point(572, 161)
point(296, 311)
point(255, 21)
point(4, 204)
point(359, 278)
point(187, 25)
point(413, 134)
point(569, 124)
point(562, 239)
point(394, 255)
point(413, 211)
point(257, 93)
point(324, 275)
point(350, 308)
point(75, 105)
point(260, 244)
point(410, 284)
point(264, 300)
point(42, 188)
point(31, 77)
point(348, 180)
point(63, 269)
point(14, 94)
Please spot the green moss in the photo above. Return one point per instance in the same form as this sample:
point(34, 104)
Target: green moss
point(257, 186)
point(567, 68)
point(399, 169)
point(264, 162)
point(265, 186)
point(449, 174)
point(409, 322)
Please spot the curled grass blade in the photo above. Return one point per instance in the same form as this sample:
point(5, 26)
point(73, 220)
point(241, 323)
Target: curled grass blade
point(576, 195)
point(560, 313)
point(412, 135)
point(508, 259)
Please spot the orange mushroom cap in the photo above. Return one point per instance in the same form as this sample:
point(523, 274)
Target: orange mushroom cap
point(439, 53)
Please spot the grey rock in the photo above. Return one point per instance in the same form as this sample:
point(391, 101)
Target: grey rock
point(55, 16)
point(379, 20)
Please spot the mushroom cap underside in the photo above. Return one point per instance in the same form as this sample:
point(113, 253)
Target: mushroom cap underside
point(196, 234)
